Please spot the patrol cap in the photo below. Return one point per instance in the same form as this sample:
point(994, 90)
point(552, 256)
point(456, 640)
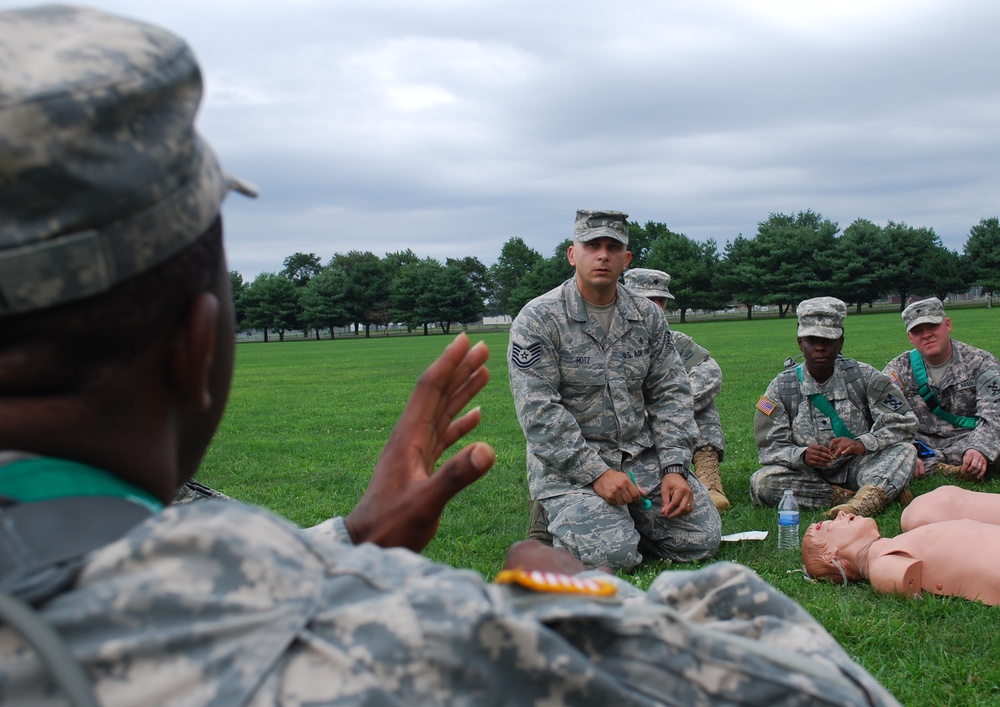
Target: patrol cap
point(648, 282)
point(822, 317)
point(926, 311)
point(598, 224)
point(102, 174)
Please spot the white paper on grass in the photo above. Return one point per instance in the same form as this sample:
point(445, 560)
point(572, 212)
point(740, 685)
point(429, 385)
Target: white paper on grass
point(748, 535)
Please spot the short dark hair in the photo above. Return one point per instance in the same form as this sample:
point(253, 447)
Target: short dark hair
point(57, 350)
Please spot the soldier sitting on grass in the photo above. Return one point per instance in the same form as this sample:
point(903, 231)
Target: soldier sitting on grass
point(834, 430)
point(954, 389)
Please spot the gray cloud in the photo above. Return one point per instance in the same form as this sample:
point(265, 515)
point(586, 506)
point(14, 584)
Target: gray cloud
point(449, 127)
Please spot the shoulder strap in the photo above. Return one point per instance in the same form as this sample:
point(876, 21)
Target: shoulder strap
point(823, 405)
point(920, 376)
point(42, 543)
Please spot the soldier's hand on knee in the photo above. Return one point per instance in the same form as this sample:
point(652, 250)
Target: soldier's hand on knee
point(678, 499)
point(616, 488)
point(973, 461)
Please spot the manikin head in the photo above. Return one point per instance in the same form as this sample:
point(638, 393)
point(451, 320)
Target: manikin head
point(830, 548)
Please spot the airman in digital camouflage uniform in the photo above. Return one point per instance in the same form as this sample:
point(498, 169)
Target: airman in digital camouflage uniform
point(706, 382)
point(956, 400)
point(601, 394)
point(116, 352)
point(834, 430)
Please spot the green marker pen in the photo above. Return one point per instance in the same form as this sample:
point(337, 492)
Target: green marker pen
point(646, 503)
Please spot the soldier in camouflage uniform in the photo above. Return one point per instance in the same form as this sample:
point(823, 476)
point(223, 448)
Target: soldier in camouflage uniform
point(115, 362)
point(834, 430)
point(958, 411)
point(706, 382)
point(602, 394)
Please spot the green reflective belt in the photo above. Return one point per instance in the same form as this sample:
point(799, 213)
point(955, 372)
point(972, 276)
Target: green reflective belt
point(920, 375)
point(823, 405)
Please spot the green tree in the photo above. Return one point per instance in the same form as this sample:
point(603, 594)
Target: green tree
point(548, 274)
point(323, 300)
point(366, 292)
point(693, 269)
point(301, 267)
point(410, 283)
point(450, 297)
point(641, 240)
point(911, 269)
point(740, 273)
point(795, 258)
point(477, 273)
point(271, 302)
point(982, 255)
point(946, 272)
point(515, 262)
point(239, 287)
point(863, 260)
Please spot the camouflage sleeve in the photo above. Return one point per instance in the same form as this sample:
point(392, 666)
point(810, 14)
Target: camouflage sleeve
point(703, 371)
point(332, 530)
point(986, 436)
point(669, 404)
point(553, 435)
point(892, 419)
point(773, 432)
point(706, 382)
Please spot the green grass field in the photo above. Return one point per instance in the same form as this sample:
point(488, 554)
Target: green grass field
point(306, 421)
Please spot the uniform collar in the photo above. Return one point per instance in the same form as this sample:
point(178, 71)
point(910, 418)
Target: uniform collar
point(30, 478)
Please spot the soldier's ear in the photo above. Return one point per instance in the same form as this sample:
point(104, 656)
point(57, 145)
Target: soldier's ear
point(193, 351)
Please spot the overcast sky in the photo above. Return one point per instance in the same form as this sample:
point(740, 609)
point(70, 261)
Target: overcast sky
point(449, 127)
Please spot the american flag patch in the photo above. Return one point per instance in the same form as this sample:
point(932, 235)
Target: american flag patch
point(525, 357)
point(766, 406)
point(895, 379)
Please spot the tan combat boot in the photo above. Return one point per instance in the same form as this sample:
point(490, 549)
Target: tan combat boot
point(706, 468)
point(955, 470)
point(538, 524)
point(868, 501)
point(905, 496)
point(841, 495)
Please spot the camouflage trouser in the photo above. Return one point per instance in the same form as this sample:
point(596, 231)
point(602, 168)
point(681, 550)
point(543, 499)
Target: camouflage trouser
point(602, 535)
point(891, 469)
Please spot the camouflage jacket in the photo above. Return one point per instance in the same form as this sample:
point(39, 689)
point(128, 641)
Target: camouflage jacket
point(217, 603)
point(971, 388)
point(785, 422)
point(583, 401)
point(706, 382)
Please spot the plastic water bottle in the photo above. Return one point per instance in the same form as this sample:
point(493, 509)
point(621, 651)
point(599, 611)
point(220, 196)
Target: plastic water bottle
point(788, 522)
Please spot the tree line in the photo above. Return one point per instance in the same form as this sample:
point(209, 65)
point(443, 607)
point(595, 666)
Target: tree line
point(791, 257)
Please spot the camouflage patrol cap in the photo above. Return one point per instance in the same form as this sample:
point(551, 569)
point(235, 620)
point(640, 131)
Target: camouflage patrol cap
point(102, 175)
point(648, 283)
point(926, 311)
point(600, 224)
point(822, 317)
